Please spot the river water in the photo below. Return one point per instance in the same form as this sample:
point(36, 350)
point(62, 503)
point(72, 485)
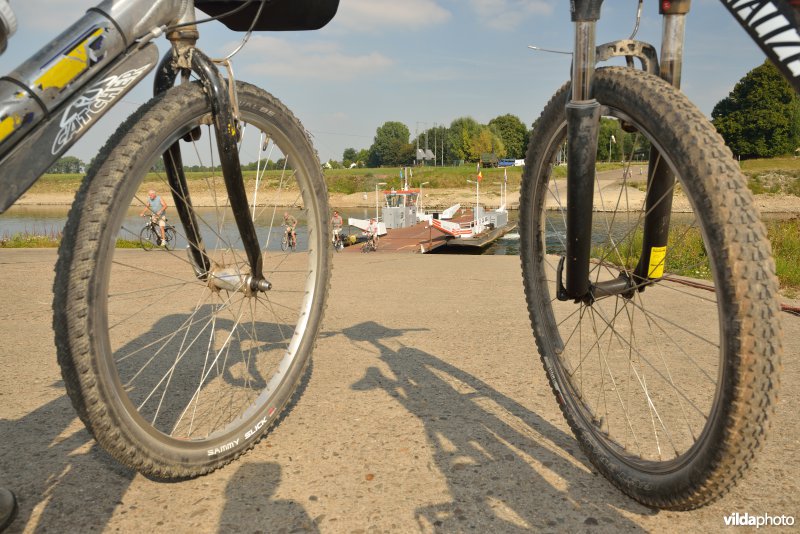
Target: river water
point(50, 220)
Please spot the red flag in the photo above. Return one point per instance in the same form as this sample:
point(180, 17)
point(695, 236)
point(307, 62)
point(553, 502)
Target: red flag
point(480, 176)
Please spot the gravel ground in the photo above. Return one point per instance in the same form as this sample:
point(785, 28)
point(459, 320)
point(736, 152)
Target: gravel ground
point(426, 410)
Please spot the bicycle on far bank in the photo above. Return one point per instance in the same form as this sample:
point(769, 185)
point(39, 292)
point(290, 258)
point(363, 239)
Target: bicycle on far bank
point(150, 235)
point(289, 240)
point(371, 244)
point(338, 241)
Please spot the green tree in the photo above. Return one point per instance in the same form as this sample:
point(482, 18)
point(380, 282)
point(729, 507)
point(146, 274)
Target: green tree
point(513, 134)
point(390, 146)
point(349, 156)
point(459, 143)
point(67, 165)
point(761, 115)
point(487, 141)
point(362, 157)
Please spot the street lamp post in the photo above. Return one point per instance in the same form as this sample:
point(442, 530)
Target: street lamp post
point(376, 200)
point(477, 199)
point(419, 203)
point(611, 139)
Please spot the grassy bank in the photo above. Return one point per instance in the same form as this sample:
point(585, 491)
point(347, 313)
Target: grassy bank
point(779, 176)
point(47, 240)
point(686, 254)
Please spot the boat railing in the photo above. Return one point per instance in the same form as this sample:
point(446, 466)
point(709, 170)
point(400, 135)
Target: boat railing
point(477, 226)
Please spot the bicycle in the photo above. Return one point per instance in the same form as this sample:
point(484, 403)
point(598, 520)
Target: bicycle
point(371, 244)
point(183, 387)
point(150, 235)
point(289, 240)
point(337, 241)
point(658, 330)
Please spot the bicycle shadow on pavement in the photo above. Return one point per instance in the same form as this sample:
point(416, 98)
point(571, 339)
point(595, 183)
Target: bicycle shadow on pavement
point(55, 466)
point(60, 475)
point(258, 509)
point(147, 361)
point(506, 468)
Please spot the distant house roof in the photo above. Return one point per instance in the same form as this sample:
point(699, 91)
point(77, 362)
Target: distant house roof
point(425, 154)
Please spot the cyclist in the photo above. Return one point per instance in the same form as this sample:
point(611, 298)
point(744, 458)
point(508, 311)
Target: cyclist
point(336, 223)
point(372, 233)
point(290, 222)
point(157, 207)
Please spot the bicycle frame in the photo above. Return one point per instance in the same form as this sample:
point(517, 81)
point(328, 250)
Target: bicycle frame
point(52, 99)
point(772, 24)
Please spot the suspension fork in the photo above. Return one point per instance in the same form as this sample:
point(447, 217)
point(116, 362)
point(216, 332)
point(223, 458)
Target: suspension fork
point(660, 180)
point(583, 113)
point(583, 125)
point(183, 58)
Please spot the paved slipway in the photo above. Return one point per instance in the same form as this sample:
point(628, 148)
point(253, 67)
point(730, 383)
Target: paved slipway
point(426, 410)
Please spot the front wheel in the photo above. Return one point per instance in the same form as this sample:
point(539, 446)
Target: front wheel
point(169, 238)
point(176, 368)
point(147, 238)
point(668, 387)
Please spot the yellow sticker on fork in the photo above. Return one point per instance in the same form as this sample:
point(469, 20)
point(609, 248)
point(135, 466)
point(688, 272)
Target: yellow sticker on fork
point(657, 257)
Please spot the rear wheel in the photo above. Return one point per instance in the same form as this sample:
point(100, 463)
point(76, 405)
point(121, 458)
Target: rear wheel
point(175, 375)
point(669, 388)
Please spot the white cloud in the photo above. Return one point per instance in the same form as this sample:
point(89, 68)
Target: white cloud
point(321, 60)
point(501, 14)
point(373, 15)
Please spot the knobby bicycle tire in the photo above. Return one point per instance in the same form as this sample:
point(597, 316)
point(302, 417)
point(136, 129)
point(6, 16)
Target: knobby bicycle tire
point(668, 390)
point(175, 376)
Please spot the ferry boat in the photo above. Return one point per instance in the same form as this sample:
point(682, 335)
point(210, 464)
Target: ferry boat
point(405, 226)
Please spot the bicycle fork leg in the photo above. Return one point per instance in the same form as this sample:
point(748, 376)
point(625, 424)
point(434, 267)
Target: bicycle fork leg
point(660, 180)
point(173, 165)
point(583, 119)
point(658, 208)
point(583, 124)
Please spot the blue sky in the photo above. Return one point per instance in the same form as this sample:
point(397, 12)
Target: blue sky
point(420, 62)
